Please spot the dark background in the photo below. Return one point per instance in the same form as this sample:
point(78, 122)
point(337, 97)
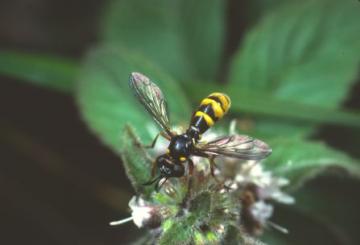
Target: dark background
point(58, 183)
point(53, 169)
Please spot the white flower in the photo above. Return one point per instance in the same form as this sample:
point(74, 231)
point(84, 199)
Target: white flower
point(261, 211)
point(141, 212)
point(268, 185)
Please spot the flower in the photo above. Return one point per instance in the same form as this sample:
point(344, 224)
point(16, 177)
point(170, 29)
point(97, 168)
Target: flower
point(238, 200)
point(257, 188)
point(269, 186)
point(143, 214)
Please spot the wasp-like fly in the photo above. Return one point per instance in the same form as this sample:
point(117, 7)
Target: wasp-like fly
point(183, 146)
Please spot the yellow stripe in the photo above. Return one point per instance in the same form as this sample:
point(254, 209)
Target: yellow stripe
point(208, 119)
point(215, 106)
point(225, 100)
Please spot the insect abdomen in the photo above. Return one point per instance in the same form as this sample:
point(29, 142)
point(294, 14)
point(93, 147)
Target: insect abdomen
point(211, 109)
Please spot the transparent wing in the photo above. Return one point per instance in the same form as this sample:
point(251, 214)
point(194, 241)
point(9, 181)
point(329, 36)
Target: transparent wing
point(237, 146)
point(150, 95)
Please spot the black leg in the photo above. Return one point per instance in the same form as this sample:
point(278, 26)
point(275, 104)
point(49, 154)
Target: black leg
point(153, 167)
point(187, 196)
point(212, 170)
point(191, 167)
point(152, 181)
point(153, 143)
point(153, 171)
point(166, 135)
point(212, 167)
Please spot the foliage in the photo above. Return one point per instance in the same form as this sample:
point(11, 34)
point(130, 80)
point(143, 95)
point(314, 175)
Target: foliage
point(302, 53)
point(293, 69)
point(106, 101)
point(184, 37)
point(43, 70)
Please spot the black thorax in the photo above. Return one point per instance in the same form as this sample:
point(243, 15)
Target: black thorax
point(181, 146)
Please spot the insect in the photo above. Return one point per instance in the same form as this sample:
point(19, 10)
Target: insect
point(183, 146)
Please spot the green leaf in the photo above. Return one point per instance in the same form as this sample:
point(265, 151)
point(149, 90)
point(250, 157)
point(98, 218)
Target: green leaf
point(302, 52)
point(203, 24)
point(108, 104)
point(300, 161)
point(43, 70)
point(136, 162)
point(274, 110)
point(183, 37)
point(150, 28)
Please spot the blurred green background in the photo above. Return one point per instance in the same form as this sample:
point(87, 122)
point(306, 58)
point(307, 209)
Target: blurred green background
point(61, 185)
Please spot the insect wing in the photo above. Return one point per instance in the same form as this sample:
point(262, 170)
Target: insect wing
point(150, 95)
point(237, 146)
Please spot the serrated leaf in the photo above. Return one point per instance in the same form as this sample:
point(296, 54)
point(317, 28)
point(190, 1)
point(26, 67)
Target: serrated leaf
point(108, 104)
point(52, 72)
point(304, 52)
point(300, 161)
point(184, 37)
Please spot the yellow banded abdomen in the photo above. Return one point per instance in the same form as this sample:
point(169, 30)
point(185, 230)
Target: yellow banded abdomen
point(211, 109)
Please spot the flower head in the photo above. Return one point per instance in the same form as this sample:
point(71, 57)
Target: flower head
point(211, 205)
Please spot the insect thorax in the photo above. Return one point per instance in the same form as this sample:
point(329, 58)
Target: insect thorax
point(181, 146)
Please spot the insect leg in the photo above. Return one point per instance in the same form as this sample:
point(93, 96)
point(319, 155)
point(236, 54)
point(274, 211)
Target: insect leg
point(191, 167)
point(153, 167)
point(152, 181)
point(153, 170)
point(212, 167)
point(184, 202)
point(212, 171)
point(166, 135)
point(153, 143)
